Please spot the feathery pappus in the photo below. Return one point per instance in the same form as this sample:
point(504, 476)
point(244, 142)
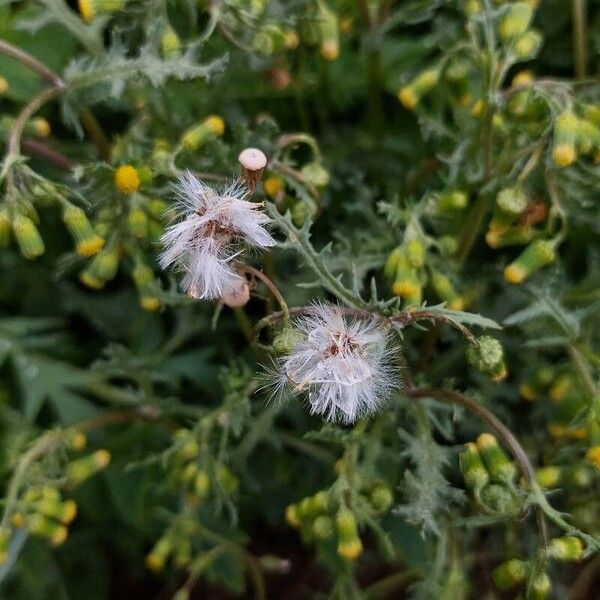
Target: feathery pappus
point(209, 230)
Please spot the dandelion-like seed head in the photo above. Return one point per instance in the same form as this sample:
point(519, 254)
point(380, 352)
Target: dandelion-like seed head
point(209, 230)
point(343, 364)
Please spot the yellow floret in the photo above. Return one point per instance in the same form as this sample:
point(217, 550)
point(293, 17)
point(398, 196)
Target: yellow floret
point(514, 274)
point(407, 97)
point(86, 9)
point(150, 303)
point(593, 456)
point(350, 550)
point(215, 124)
point(564, 155)
point(127, 179)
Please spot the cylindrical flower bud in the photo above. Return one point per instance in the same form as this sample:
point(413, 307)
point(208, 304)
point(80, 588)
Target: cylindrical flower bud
point(87, 241)
point(414, 250)
point(157, 557)
point(102, 268)
point(515, 21)
point(394, 259)
point(538, 254)
point(28, 237)
point(194, 137)
point(498, 465)
point(445, 290)
point(565, 135)
point(292, 517)
point(202, 485)
point(472, 468)
point(253, 162)
point(452, 201)
point(509, 573)
point(566, 548)
point(83, 468)
point(497, 237)
point(410, 94)
point(487, 356)
point(349, 543)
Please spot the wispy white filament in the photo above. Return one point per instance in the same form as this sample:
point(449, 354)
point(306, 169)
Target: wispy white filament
point(209, 230)
point(344, 365)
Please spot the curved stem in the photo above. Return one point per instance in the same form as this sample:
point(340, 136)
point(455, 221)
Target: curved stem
point(272, 288)
point(503, 432)
point(33, 63)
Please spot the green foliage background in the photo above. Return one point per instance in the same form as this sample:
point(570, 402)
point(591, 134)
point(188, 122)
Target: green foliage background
point(165, 388)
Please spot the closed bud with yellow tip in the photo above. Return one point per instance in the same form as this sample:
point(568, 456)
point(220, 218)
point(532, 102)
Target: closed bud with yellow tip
point(509, 573)
point(472, 468)
point(497, 463)
point(515, 20)
point(194, 137)
point(537, 255)
point(566, 548)
point(349, 543)
point(27, 237)
point(87, 241)
point(410, 94)
point(566, 127)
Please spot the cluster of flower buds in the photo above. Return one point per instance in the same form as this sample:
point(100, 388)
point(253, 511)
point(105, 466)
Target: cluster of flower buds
point(175, 544)
point(320, 517)
point(404, 268)
point(490, 475)
point(487, 356)
point(194, 475)
point(90, 9)
point(41, 508)
point(514, 30)
point(515, 572)
point(319, 29)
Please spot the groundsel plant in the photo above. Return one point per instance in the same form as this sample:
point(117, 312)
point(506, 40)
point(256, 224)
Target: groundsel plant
point(209, 232)
point(343, 363)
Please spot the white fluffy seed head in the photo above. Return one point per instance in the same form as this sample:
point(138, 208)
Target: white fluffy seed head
point(208, 230)
point(344, 365)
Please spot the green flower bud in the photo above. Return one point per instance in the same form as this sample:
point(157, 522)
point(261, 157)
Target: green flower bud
point(194, 137)
point(4, 541)
point(315, 173)
point(202, 485)
point(157, 557)
point(528, 44)
point(270, 563)
point(410, 94)
point(286, 340)
point(300, 212)
point(509, 573)
point(498, 498)
point(137, 221)
point(487, 356)
point(28, 237)
point(143, 277)
point(512, 200)
point(472, 469)
point(349, 543)
point(445, 290)
point(414, 251)
point(452, 201)
point(157, 208)
point(101, 269)
point(566, 127)
point(448, 245)
point(566, 548)
point(227, 480)
point(39, 525)
point(395, 258)
point(269, 39)
point(322, 527)
point(515, 21)
point(83, 468)
point(538, 254)
point(515, 236)
point(87, 241)
point(170, 42)
point(497, 463)
point(548, 477)
point(381, 498)
point(540, 587)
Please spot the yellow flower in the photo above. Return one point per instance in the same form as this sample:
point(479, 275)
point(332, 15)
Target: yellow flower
point(593, 456)
point(215, 124)
point(564, 155)
point(127, 179)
